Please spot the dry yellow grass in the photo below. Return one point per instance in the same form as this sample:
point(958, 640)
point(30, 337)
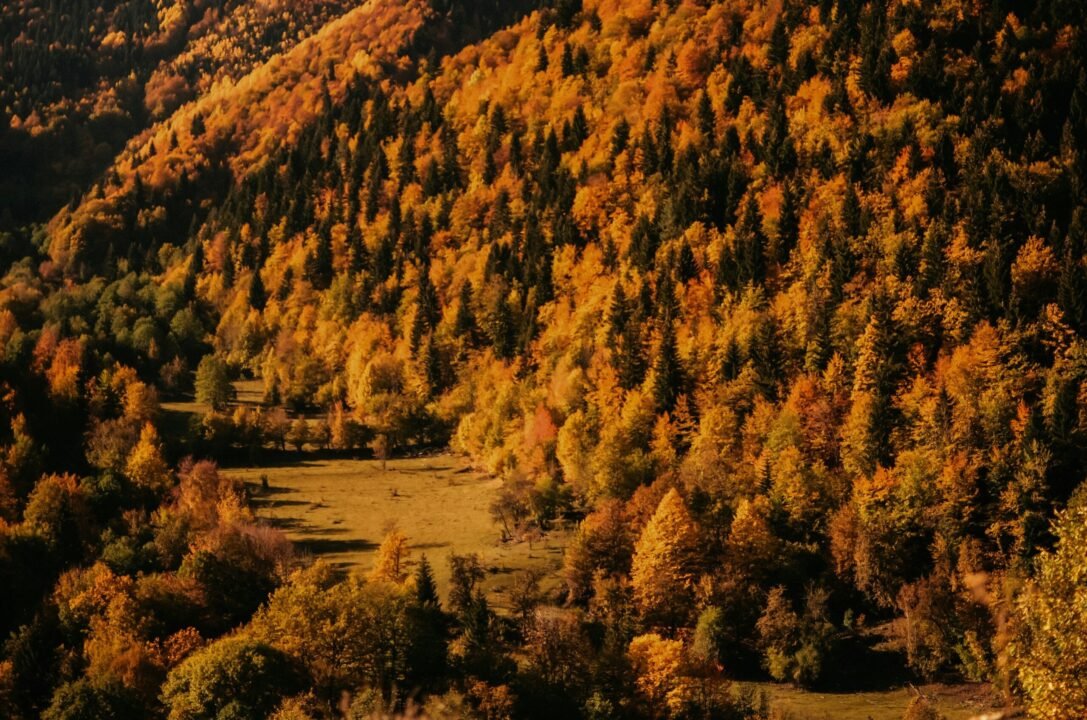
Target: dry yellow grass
point(340, 510)
point(954, 702)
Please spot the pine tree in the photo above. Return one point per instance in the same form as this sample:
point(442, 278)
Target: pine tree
point(502, 329)
point(620, 137)
point(1072, 283)
point(778, 50)
point(707, 120)
point(285, 285)
point(464, 323)
point(357, 255)
point(629, 355)
point(228, 269)
point(568, 68)
point(427, 310)
point(867, 430)
point(256, 294)
point(618, 313)
point(426, 589)
point(750, 243)
point(788, 224)
point(851, 212)
point(433, 365)
point(579, 128)
point(665, 375)
point(643, 243)
point(319, 262)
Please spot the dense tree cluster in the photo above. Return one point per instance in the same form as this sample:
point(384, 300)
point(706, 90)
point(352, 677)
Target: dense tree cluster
point(783, 305)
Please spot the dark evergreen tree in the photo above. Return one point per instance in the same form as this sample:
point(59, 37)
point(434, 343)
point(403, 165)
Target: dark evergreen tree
point(666, 374)
point(750, 244)
point(501, 328)
point(256, 294)
point(788, 224)
point(568, 68)
point(643, 243)
point(319, 262)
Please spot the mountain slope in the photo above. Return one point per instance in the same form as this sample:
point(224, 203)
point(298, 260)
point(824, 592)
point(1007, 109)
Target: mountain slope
point(783, 303)
point(81, 78)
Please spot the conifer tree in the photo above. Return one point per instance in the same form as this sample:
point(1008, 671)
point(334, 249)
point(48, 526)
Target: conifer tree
point(665, 375)
point(426, 589)
point(502, 329)
point(643, 243)
point(750, 245)
point(256, 295)
point(707, 119)
point(319, 262)
point(788, 224)
point(390, 565)
point(464, 322)
point(568, 68)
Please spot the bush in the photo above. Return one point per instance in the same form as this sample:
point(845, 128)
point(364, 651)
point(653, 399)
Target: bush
point(921, 709)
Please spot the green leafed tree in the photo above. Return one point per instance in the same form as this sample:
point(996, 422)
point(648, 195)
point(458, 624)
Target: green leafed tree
point(213, 382)
point(232, 678)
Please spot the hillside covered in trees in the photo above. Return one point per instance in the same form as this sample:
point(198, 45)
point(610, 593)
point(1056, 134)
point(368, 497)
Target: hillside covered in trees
point(782, 304)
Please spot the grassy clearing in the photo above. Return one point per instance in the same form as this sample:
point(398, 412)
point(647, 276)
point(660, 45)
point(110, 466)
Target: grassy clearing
point(339, 509)
point(954, 702)
point(246, 392)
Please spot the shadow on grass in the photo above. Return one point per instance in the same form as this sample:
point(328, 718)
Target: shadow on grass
point(325, 546)
point(272, 504)
point(237, 458)
point(259, 492)
point(427, 469)
point(267, 457)
point(430, 545)
point(299, 525)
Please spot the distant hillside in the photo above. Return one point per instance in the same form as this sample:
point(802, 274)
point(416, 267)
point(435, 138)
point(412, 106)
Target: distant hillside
point(80, 78)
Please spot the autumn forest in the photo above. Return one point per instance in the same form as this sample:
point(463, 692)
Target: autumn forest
point(772, 312)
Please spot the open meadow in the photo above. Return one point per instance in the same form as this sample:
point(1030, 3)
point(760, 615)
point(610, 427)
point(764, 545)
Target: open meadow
point(339, 510)
point(953, 702)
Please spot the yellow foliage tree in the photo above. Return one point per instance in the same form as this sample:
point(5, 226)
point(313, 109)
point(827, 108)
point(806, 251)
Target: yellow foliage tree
point(665, 565)
point(1052, 648)
point(146, 467)
point(659, 665)
point(392, 556)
